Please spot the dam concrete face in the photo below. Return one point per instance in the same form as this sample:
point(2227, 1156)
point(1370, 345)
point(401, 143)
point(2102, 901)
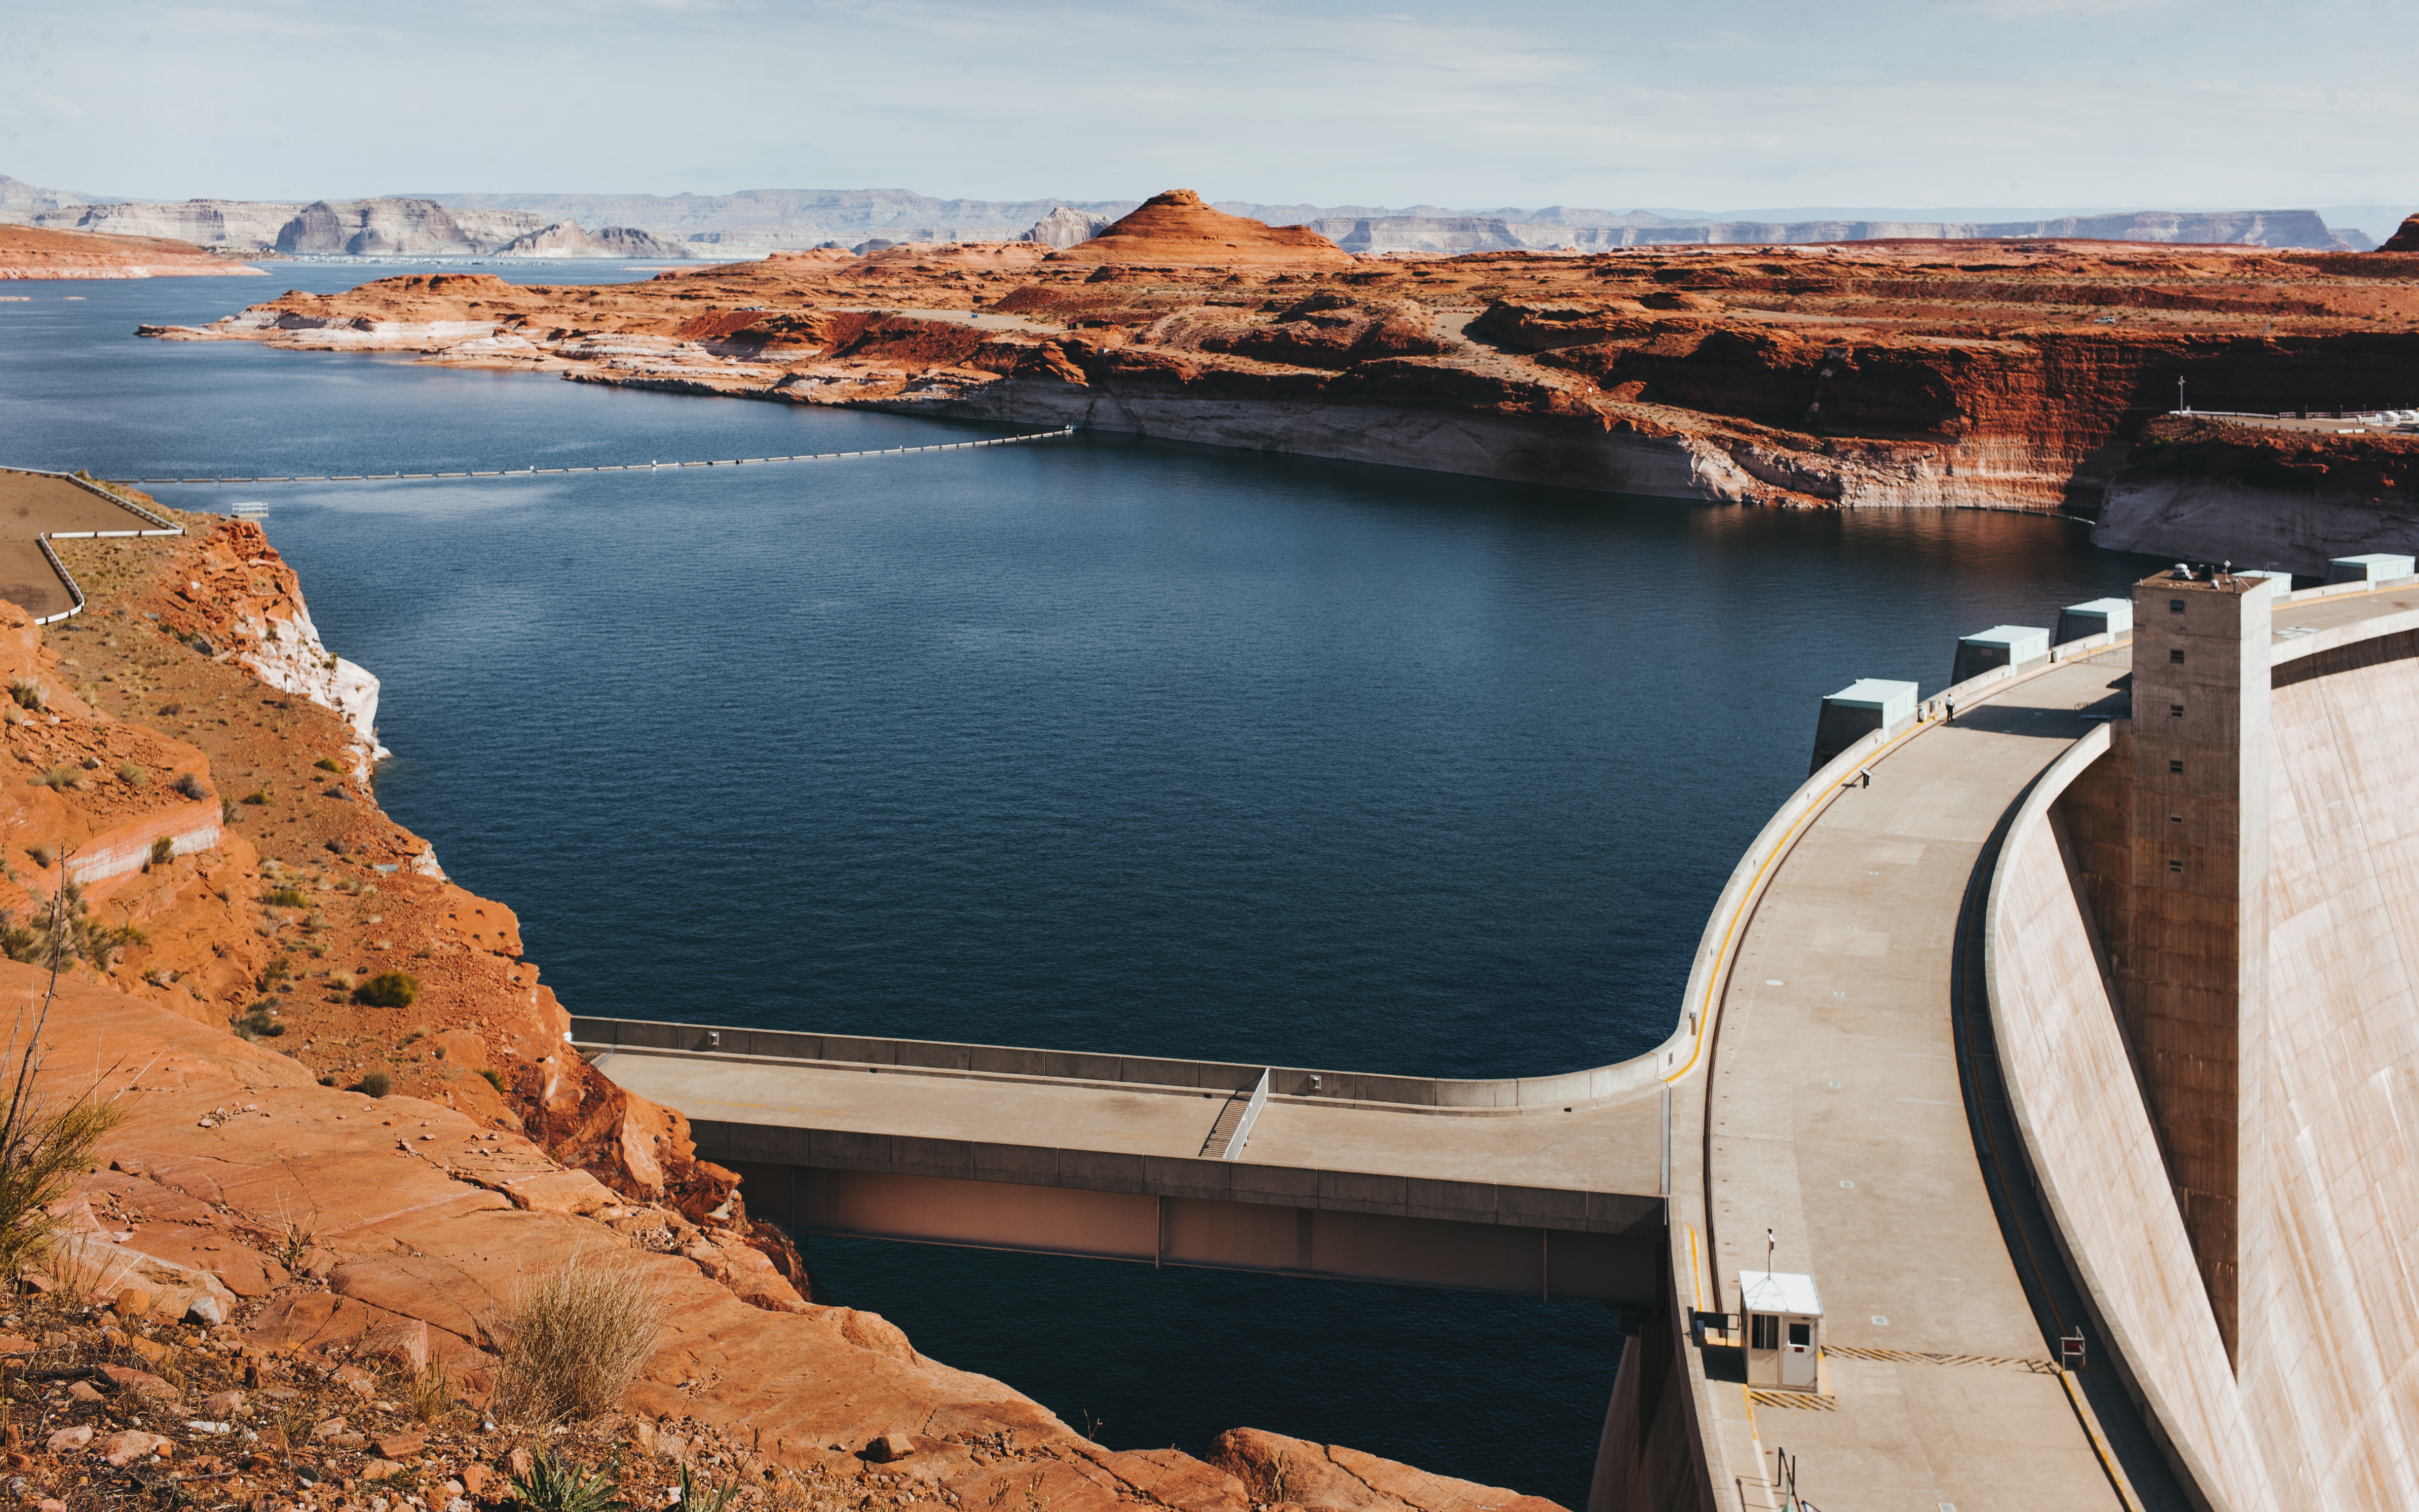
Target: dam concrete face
point(2306, 1394)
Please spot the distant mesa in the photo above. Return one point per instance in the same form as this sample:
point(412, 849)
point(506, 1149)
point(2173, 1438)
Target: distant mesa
point(401, 227)
point(2405, 239)
point(564, 238)
point(1066, 226)
point(1449, 235)
point(757, 221)
point(1176, 227)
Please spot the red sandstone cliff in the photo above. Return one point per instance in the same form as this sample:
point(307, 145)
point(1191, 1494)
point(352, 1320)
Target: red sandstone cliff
point(2009, 375)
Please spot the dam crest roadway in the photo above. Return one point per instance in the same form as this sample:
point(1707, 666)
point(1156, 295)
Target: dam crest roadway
point(1947, 1048)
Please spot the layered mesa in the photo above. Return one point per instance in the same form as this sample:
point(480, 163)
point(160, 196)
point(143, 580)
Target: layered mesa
point(2007, 374)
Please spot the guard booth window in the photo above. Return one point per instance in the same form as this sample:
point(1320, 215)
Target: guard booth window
point(1765, 1329)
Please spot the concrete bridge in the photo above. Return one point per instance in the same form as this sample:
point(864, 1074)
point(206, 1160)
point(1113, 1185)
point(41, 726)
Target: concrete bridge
point(2090, 1014)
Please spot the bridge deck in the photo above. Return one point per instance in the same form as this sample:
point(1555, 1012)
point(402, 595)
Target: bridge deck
point(1609, 1149)
point(900, 1145)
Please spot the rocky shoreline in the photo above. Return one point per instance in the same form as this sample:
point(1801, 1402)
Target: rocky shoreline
point(27, 252)
point(323, 1193)
point(1998, 375)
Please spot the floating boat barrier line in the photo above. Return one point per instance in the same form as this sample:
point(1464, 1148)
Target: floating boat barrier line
point(534, 470)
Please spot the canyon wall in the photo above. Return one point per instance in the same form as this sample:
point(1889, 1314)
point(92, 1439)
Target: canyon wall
point(1992, 375)
point(2213, 490)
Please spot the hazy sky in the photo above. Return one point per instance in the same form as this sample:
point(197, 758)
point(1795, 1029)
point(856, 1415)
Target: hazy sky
point(1708, 104)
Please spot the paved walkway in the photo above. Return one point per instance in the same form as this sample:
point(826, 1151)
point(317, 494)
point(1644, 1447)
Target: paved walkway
point(1836, 1118)
point(34, 504)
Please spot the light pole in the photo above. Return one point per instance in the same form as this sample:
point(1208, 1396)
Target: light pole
point(2181, 407)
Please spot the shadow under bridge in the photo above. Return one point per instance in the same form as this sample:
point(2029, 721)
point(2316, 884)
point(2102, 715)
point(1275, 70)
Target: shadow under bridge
point(1550, 1186)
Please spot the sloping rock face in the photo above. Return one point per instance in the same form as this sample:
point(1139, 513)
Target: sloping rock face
point(2405, 238)
point(22, 201)
point(29, 253)
point(1065, 227)
point(304, 887)
point(1176, 227)
point(1282, 1472)
point(564, 238)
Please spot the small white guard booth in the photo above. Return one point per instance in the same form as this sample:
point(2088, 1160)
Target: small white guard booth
point(1784, 1330)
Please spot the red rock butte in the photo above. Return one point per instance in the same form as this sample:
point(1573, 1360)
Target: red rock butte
point(1176, 227)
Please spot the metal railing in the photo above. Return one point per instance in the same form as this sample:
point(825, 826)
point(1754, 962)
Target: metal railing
point(1251, 1114)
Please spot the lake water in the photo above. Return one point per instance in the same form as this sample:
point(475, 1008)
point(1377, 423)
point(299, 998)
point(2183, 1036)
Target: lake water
point(1095, 743)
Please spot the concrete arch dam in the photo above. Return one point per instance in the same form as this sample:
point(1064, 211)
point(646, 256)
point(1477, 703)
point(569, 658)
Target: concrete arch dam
point(2091, 1014)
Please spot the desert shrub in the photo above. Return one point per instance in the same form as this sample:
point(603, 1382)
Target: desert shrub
point(101, 942)
point(575, 1338)
point(45, 1145)
point(171, 709)
point(285, 898)
point(259, 1021)
point(191, 786)
point(278, 968)
point(259, 798)
point(388, 989)
point(377, 1082)
point(493, 1080)
point(59, 778)
point(558, 1485)
point(29, 696)
point(163, 850)
point(329, 763)
point(44, 856)
point(60, 930)
point(133, 776)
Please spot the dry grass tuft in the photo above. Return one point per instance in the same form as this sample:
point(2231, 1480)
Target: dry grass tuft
point(575, 1338)
point(428, 1392)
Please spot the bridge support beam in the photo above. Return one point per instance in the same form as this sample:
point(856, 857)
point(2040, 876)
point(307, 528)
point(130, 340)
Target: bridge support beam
point(1217, 1235)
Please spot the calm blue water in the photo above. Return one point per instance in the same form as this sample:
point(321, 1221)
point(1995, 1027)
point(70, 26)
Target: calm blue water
point(1099, 743)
